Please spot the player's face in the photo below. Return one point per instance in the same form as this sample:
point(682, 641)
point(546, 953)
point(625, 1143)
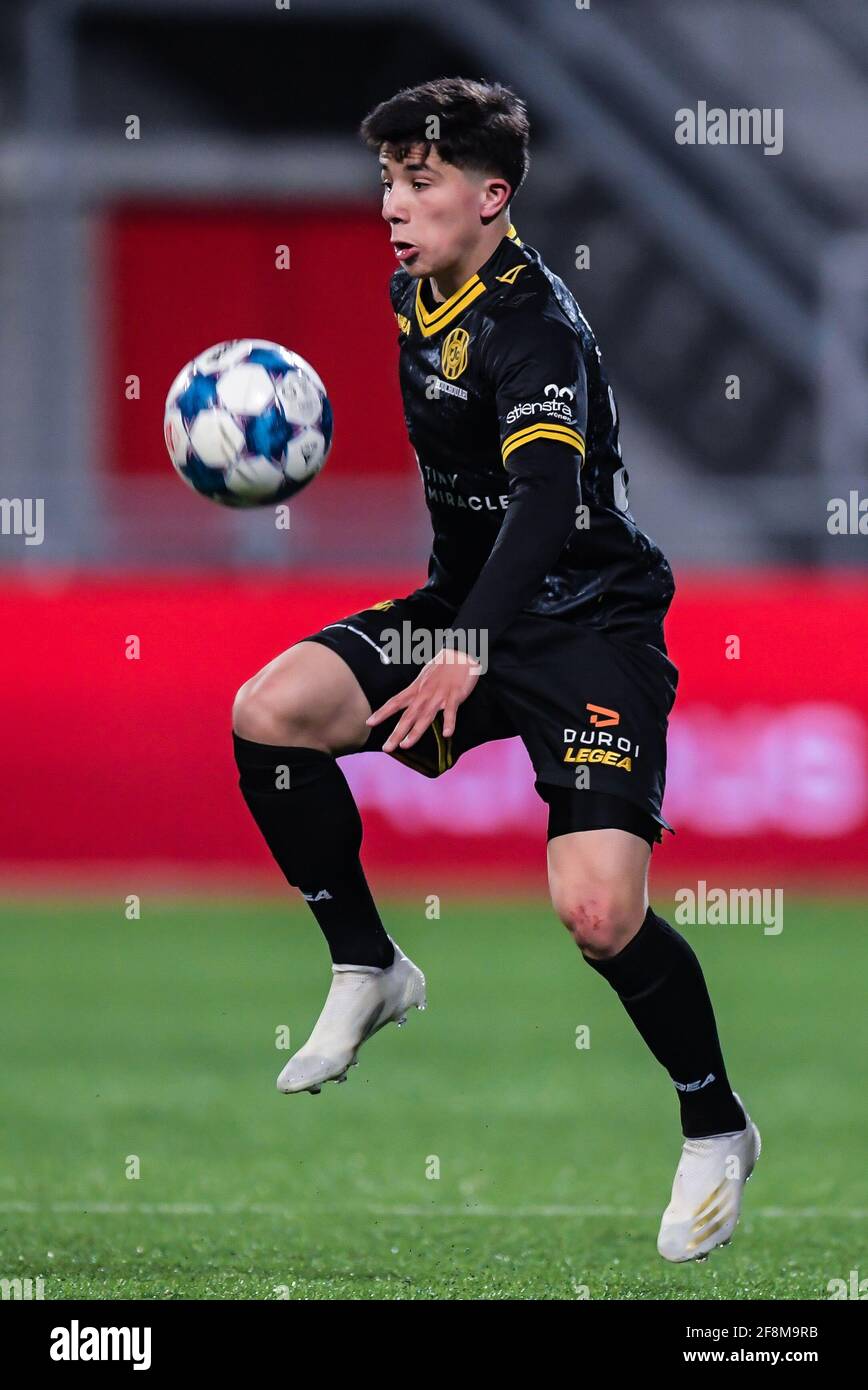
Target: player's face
point(434, 209)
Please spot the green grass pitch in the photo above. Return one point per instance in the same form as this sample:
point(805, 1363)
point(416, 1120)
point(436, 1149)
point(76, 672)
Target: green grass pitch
point(156, 1039)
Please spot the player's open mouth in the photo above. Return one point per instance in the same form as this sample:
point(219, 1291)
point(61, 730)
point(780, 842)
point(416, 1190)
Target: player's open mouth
point(405, 249)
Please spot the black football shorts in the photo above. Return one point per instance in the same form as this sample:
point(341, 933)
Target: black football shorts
point(591, 711)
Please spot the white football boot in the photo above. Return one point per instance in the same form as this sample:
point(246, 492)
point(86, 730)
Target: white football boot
point(707, 1192)
point(362, 999)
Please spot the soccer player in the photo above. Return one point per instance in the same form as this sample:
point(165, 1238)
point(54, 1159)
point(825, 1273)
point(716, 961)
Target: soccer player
point(549, 604)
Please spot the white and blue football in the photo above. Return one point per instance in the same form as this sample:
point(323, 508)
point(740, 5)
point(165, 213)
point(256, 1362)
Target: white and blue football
point(248, 423)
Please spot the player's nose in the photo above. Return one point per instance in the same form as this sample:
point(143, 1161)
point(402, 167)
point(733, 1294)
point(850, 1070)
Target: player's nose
point(393, 212)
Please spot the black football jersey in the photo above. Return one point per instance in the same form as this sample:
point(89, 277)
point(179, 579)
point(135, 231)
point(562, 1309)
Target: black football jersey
point(515, 431)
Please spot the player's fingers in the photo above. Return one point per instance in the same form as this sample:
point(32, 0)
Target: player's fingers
point(403, 726)
point(450, 712)
point(423, 721)
point(392, 705)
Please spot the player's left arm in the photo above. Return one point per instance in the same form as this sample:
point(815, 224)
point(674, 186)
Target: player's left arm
point(542, 408)
point(531, 361)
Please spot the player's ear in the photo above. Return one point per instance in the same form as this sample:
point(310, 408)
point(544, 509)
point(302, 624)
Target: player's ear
point(494, 198)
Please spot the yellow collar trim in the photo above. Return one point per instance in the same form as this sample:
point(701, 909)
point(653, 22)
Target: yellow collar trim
point(430, 321)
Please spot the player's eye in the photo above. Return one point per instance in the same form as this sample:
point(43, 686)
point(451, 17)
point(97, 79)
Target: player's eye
point(419, 183)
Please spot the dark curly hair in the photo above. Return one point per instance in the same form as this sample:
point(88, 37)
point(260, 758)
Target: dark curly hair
point(482, 125)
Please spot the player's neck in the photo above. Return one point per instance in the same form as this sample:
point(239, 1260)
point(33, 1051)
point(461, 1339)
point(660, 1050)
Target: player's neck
point(444, 285)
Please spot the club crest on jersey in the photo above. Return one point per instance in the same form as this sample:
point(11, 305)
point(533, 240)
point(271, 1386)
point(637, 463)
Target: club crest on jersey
point(453, 354)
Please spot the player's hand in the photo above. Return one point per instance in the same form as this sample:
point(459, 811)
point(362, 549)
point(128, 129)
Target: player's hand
point(443, 683)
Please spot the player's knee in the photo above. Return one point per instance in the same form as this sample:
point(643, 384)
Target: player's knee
point(600, 917)
point(269, 711)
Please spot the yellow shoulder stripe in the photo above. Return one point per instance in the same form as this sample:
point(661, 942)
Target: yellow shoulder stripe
point(563, 434)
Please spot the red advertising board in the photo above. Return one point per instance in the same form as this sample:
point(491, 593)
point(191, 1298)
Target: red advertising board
point(118, 752)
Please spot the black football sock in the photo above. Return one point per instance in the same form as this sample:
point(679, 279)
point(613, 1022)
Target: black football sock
point(302, 803)
point(659, 981)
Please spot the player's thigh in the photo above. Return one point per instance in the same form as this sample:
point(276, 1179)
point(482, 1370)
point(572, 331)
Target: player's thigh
point(307, 695)
point(598, 880)
point(386, 646)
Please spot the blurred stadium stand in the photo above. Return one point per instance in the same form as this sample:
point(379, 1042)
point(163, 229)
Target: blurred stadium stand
point(703, 262)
